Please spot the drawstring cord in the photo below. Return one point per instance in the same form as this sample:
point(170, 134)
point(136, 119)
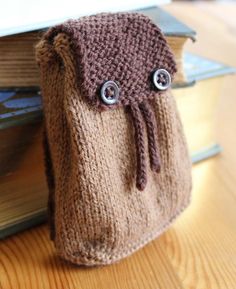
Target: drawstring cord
point(141, 177)
point(140, 113)
point(151, 125)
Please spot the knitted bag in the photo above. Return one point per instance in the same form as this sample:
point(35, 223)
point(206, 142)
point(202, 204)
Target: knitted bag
point(116, 160)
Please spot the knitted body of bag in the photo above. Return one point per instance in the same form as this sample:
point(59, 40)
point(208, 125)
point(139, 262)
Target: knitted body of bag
point(117, 165)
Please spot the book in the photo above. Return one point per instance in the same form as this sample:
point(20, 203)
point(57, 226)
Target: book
point(18, 67)
point(177, 34)
point(25, 16)
point(23, 190)
point(23, 186)
point(199, 126)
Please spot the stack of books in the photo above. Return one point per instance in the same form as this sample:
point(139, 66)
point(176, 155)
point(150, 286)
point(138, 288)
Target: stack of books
point(23, 189)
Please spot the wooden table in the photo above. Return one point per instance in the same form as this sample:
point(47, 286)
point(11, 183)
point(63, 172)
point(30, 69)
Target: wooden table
point(199, 250)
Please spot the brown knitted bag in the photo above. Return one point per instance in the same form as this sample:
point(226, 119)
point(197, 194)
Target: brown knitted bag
point(116, 160)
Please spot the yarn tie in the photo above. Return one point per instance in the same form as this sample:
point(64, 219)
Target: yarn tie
point(144, 113)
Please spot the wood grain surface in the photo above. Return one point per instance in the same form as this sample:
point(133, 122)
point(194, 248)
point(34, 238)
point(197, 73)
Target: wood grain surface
point(199, 250)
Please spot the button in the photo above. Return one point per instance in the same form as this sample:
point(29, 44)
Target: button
point(110, 92)
point(161, 79)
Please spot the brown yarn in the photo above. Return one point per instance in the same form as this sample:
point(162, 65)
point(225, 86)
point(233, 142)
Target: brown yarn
point(141, 178)
point(152, 135)
point(150, 120)
point(97, 214)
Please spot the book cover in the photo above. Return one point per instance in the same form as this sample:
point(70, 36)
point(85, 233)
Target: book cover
point(19, 106)
point(198, 104)
point(200, 68)
point(171, 26)
point(24, 16)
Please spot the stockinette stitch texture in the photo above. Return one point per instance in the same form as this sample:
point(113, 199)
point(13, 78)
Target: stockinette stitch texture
point(105, 202)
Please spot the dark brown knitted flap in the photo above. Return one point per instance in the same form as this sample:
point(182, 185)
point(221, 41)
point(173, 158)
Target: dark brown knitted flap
point(123, 47)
